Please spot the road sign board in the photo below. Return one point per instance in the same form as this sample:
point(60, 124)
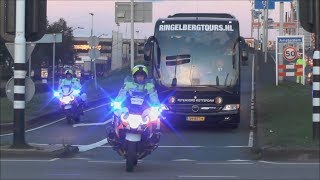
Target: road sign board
point(290, 40)
point(94, 53)
point(290, 53)
point(142, 12)
point(261, 4)
point(51, 38)
point(93, 41)
point(29, 92)
point(29, 49)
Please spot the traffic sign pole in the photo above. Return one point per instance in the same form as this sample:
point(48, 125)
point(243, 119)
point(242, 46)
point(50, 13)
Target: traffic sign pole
point(94, 53)
point(281, 34)
point(19, 78)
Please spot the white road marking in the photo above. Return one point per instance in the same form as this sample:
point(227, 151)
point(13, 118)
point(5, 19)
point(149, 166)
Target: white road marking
point(224, 163)
point(84, 148)
point(288, 163)
point(53, 121)
point(92, 124)
point(183, 160)
point(96, 107)
point(113, 162)
point(232, 146)
point(64, 174)
point(185, 176)
point(238, 160)
point(29, 160)
point(36, 127)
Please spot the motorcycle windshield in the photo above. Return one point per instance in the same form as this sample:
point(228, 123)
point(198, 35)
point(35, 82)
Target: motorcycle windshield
point(66, 90)
point(136, 104)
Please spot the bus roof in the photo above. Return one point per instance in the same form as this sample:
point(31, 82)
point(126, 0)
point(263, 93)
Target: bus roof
point(200, 16)
point(208, 15)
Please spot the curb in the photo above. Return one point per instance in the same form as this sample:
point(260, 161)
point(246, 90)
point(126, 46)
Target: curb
point(279, 153)
point(42, 151)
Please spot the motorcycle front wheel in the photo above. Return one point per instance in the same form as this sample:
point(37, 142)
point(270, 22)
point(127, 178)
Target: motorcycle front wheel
point(131, 156)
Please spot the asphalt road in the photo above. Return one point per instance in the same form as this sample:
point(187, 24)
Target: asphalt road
point(151, 169)
point(184, 153)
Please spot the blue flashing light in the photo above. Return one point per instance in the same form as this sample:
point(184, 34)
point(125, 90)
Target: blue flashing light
point(76, 92)
point(116, 105)
point(56, 94)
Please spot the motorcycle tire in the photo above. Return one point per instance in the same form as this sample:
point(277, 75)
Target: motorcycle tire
point(77, 119)
point(69, 120)
point(131, 156)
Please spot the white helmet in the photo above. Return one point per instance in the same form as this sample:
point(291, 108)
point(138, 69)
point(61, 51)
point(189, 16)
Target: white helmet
point(69, 71)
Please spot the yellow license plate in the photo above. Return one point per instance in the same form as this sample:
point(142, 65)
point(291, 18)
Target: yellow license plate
point(195, 118)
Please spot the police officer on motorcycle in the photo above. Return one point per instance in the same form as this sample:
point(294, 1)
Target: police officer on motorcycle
point(75, 84)
point(138, 83)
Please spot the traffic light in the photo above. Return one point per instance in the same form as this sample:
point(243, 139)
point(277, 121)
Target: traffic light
point(35, 19)
point(307, 12)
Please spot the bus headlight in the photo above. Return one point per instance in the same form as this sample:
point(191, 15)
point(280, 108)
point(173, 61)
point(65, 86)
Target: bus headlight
point(231, 107)
point(218, 100)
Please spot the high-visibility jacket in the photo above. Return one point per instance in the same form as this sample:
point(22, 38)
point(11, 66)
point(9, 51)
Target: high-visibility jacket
point(74, 82)
point(130, 87)
point(300, 61)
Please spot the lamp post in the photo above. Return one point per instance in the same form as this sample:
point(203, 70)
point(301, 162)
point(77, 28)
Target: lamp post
point(91, 23)
point(94, 64)
point(137, 43)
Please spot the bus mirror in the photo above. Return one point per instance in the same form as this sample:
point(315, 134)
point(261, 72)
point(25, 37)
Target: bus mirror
point(174, 82)
point(147, 51)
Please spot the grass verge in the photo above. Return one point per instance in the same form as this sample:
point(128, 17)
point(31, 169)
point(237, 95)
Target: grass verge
point(285, 116)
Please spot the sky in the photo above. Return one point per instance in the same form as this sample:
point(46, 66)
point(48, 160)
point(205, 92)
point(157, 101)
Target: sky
point(76, 13)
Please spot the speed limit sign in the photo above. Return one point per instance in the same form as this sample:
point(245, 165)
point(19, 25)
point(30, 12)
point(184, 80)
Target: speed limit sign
point(290, 53)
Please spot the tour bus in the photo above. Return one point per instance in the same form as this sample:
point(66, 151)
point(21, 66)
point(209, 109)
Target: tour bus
point(195, 61)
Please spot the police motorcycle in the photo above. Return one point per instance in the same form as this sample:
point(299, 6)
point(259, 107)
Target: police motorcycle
point(135, 131)
point(71, 103)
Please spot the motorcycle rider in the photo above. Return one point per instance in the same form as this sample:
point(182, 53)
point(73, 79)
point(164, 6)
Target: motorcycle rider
point(137, 83)
point(75, 84)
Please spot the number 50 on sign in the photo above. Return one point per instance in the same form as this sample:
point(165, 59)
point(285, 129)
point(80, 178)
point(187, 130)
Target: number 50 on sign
point(290, 53)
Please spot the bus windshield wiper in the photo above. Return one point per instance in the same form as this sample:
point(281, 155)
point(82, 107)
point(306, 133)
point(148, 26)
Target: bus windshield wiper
point(177, 60)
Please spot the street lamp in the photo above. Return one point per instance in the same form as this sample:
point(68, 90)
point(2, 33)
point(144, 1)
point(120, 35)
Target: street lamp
point(91, 23)
point(102, 35)
point(74, 28)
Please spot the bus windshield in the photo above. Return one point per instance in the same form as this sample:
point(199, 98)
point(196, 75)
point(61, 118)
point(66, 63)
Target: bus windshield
point(199, 58)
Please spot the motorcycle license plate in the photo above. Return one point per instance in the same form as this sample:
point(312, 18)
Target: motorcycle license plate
point(196, 118)
point(133, 137)
point(68, 106)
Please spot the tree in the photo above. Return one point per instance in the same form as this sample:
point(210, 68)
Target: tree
point(6, 62)
point(64, 50)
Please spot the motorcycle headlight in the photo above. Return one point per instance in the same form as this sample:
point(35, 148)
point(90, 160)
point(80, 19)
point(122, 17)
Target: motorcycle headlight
point(231, 107)
point(67, 99)
point(134, 121)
